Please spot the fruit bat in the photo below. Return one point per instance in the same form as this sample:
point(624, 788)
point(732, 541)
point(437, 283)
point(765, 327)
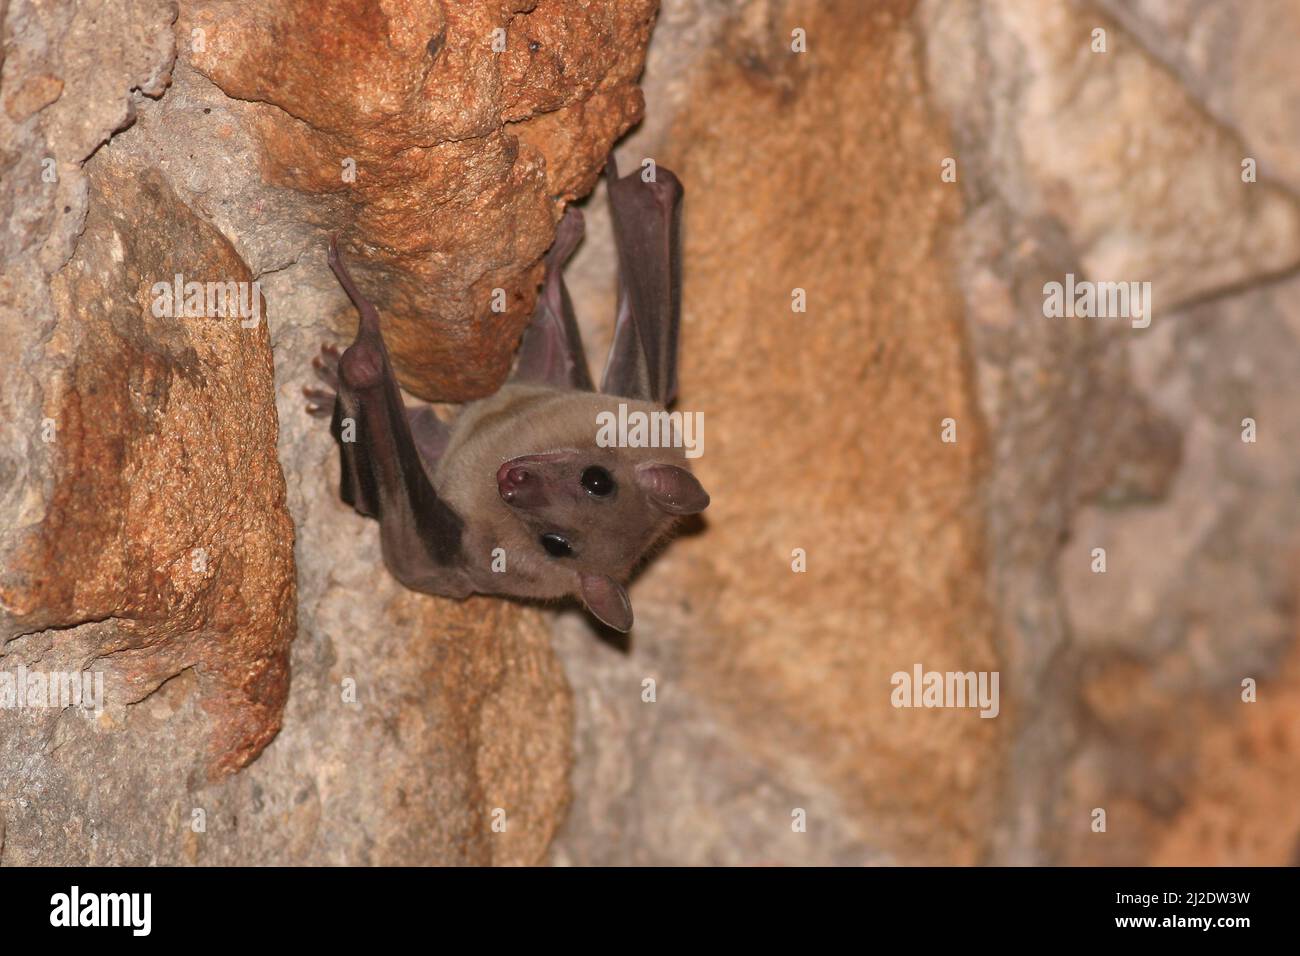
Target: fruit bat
point(516, 496)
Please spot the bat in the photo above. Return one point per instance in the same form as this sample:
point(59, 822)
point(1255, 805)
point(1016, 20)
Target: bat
point(517, 496)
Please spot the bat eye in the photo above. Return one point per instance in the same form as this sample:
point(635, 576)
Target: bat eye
point(556, 546)
point(598, 481)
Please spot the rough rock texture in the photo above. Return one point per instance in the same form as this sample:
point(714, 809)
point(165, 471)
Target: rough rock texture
point(823, 433)
point(219, 139)
point(1237, 60)
point(1134, 448)
point(1227, 818)
point(176, 526)
point(167, 512)
point(1121, 690)
point(444, 161)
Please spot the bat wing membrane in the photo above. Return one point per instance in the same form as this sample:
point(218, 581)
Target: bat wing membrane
point(383, 474)
point(642, 361)
point(551, 352)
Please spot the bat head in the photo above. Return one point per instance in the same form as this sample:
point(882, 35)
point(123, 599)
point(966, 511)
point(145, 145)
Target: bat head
point(593, 513)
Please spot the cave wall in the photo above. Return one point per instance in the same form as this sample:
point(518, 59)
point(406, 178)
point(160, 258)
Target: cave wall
point(172, 520)
point(1120, 691)
point(271, 695)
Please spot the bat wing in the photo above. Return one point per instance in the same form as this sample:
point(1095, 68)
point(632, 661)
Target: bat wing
point(642, 361)
point(551, 352)
point(383, 474)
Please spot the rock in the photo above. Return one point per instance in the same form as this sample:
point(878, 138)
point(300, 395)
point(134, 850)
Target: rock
point(1143, 182)
point(1101, 433)
point(415, 730)
point(1233, 58)
point(1194, 600)
point(1086, 434)
point(1226, 818)
point(822, 434)
point(443, 161)
point(272, 695)
point(148, 419)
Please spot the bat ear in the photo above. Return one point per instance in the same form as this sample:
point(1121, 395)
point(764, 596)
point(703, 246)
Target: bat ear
point(606, 599)
point(672, 489)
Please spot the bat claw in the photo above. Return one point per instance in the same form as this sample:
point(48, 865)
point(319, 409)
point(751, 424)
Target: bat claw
point(320, 401)
point(326, 365)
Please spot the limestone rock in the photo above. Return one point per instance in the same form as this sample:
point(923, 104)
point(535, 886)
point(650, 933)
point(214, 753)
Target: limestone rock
point(1111, 437)
point(181, 533)
point(441, 140)
point(153, 445)
point(823, 433)
point(1121, 689)
point(1235, 59)
point(171, 516)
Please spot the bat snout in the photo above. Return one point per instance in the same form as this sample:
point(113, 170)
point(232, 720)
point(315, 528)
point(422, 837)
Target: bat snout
point(520, 486)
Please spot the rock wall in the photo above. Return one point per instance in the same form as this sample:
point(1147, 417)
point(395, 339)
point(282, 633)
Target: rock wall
point(1121, 691)
point(916, 174)
point(171, 515)
point(823, 428)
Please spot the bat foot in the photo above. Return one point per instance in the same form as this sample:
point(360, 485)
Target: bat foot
point(327, 365)
point(320, 401)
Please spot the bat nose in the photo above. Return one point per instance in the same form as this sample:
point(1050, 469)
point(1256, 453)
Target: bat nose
point(510, 477)
point(518, 486)
point(525, 482)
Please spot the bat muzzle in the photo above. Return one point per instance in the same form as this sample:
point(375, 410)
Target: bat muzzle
point(519, 485)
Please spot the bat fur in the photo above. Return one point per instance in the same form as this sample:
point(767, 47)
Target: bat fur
point(515, 497)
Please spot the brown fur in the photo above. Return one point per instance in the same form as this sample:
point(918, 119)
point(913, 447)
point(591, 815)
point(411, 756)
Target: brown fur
point(609, 536)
